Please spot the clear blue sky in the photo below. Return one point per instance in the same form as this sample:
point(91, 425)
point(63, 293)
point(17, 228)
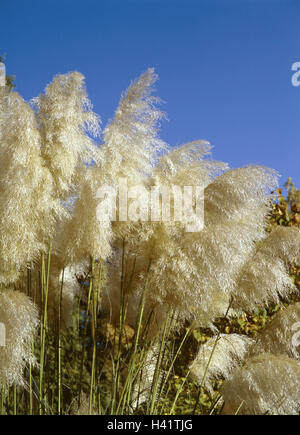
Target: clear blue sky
point(224, 66)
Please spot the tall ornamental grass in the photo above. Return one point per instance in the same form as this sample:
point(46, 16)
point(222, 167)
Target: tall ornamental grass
point(99, 313)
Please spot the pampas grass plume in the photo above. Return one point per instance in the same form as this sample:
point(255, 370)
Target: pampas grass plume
point(20, 317)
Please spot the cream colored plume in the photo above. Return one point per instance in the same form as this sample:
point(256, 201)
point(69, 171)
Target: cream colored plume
point(84, 235)
point(279, 337)
point(20, 318)
point(131, 142)
point(188, 165)
point(27, 207)
point(266, 384)
point(236, 205)
point(132, 146)
point(130, 149)
point(265, 277)
point(66, 121)
point(218, 357)
point(239, 192)
point(189, 270)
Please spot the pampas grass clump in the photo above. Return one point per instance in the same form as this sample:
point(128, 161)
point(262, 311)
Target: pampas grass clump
point(142, 267)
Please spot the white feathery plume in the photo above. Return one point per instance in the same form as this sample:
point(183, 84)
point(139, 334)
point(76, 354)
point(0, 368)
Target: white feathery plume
point(188, 165)
point(218, 357)
point(264, 279)
point(130, 149)
point(66, 121)
point(20, 318)
point(238, 192)
point(226, 243)
point(236, 205)
point(27, 207)
point(132, 146)
point(189, 269)
point(84, 235)
point(279, 336)
point(283, 242)
point(214, 246)
point(266, 384)
point(131, 142)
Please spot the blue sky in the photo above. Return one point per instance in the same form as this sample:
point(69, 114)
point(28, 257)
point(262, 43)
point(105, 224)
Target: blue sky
point(224, 66)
